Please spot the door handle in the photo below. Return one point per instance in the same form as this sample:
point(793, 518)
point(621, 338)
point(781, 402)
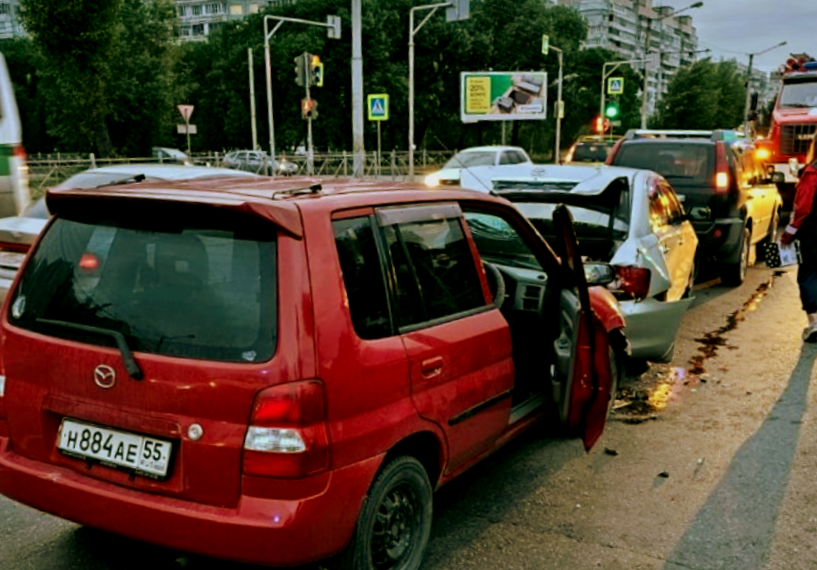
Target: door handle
point(432, 366)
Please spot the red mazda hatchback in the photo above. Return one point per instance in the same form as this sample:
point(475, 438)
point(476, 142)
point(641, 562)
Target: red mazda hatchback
point(278, 372)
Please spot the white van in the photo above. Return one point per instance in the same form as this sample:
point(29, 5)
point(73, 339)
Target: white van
point(15, 194)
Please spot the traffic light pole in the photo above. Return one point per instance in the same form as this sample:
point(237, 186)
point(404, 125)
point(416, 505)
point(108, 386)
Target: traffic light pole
point(605, 74)
point(333, 25)
point(310, 156)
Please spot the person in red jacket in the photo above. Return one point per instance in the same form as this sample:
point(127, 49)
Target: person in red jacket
point(803, 227)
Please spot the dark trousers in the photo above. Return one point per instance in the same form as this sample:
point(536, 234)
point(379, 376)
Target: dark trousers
point(807, 276)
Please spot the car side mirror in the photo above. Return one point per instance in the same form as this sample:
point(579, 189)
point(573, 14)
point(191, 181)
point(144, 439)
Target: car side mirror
point(778, 178)
point(597, 273)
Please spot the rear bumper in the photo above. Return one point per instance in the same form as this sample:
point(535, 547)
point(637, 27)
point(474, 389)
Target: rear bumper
point(652, 326)
point(259, 531)
point(721, 238)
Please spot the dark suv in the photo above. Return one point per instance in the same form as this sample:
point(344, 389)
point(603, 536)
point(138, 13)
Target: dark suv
point(732, 202)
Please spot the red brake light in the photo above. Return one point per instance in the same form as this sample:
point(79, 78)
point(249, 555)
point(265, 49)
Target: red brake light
point(287, 436)
point(721, 168)
point(2, 395)
point(633, 281)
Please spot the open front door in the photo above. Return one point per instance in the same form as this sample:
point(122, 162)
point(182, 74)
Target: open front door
point(582, 379)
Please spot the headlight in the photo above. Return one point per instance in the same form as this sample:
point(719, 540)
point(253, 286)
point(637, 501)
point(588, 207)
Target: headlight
point(432, 180)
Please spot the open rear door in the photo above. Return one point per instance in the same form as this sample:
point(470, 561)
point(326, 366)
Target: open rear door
point(583, 379)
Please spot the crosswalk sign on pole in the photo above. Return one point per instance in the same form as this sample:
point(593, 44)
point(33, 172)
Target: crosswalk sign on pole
point(378, 106)
point(615, 86)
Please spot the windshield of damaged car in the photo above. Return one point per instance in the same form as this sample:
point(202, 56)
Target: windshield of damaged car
point(468, 159)
point(203, 290)
point(799, 95)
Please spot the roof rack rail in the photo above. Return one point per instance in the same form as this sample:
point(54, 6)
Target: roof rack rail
point(312, 189)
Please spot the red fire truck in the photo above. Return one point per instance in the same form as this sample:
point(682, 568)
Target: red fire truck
point(794, 122)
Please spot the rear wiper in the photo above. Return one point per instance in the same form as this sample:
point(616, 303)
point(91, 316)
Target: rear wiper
point(120, 182)
point(127, 356)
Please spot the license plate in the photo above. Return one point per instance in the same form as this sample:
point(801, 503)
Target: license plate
point(144, 455)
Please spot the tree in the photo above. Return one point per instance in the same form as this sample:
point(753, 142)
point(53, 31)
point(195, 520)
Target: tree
point(704, 95)
point(75, 38)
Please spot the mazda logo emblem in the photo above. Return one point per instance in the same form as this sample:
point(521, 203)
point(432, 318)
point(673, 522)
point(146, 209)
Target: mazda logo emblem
point(104, 376)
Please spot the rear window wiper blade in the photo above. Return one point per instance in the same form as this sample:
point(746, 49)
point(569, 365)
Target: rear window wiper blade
point(127, 356)
point(121, 181)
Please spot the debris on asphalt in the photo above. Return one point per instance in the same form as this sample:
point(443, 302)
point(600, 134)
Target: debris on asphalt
point(609, 451)
point(663, 474)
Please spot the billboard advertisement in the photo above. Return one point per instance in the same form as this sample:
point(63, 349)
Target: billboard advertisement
point(503, 96)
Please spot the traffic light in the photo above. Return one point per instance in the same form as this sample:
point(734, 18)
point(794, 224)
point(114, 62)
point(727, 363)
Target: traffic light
point(315, 71)
point(611, 110)
point(301, 76)
point(309, 108)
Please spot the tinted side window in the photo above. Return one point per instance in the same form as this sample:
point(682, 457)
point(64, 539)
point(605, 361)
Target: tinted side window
point(434, 270)
point(363, 277)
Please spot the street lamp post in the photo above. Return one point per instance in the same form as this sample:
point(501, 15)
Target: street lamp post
point(746, 130)
point(647, 57)
point(333, 25)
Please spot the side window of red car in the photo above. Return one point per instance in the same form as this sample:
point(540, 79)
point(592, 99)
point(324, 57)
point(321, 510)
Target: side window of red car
point(363, 277)
point(434, 271)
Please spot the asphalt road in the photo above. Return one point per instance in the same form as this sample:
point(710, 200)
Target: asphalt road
point(721, 478)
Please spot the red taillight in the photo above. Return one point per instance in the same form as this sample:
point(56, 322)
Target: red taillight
point(287, 436)
point(634, 281)
point(613, 152)
point(2, 394)
point(721, 168)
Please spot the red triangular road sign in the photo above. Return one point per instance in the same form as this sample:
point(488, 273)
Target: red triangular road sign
point(185, 110)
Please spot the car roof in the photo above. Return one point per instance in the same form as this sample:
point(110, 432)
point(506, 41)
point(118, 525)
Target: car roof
point(276, 199)
point(168, 171)
point(492, 148)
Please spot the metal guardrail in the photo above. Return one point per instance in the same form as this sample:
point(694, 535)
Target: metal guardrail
point(50, 170)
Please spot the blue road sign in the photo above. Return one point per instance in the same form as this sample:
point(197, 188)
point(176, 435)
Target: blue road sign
point(378, 106)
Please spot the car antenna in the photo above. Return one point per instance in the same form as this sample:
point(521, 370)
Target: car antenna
point(490, 190)
point(316, 188)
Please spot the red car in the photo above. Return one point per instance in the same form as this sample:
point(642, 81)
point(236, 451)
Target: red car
point(277, 372)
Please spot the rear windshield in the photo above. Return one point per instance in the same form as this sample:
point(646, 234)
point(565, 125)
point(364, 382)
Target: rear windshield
point(203, 290)
point(679, 162)
point(591, 152)
point(587, 223)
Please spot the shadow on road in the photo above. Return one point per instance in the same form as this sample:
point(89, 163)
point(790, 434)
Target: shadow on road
point(736, 526)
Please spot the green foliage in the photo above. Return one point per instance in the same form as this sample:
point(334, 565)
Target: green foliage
point(104, 73)
point(705, 95)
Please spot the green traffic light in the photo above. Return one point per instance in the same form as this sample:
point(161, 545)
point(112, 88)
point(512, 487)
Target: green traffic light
point(611, 111)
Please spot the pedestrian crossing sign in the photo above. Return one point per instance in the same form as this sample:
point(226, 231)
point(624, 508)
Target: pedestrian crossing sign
point(615, 86)
point(378, 106)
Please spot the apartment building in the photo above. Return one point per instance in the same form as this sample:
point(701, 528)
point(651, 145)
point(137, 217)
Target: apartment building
point(622, 26)
point(9, 23)
point(197, 18)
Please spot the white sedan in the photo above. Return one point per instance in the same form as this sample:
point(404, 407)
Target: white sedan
point(483, 162)
point(631, 219)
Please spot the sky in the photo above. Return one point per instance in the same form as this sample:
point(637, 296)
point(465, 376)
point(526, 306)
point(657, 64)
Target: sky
point(735, 28)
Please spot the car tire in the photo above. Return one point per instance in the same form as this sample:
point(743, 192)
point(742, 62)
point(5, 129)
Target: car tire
point(400, 500)
point(733, 274)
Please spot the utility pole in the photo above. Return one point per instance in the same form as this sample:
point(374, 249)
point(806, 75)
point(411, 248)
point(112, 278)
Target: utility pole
point(357, 91)
point(252, 100)
point(559, 109)
point(746, 129)
point(646, 76)
point(310, 156)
